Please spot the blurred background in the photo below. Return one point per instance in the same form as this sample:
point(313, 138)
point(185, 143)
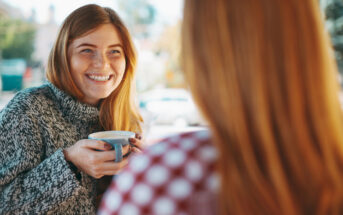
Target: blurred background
point(333, 15)
point(28, 30)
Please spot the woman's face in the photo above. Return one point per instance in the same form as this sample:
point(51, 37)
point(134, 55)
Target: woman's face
point(97, 63)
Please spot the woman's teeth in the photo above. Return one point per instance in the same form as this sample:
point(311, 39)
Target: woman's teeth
point(99, 78)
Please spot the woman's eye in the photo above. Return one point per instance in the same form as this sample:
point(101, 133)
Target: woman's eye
point(115, 52)
point(86, 51)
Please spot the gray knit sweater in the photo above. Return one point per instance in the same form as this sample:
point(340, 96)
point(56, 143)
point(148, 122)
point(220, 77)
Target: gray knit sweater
point(34, 176)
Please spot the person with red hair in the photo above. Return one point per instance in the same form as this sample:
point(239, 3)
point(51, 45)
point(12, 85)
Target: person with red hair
point(264, 77)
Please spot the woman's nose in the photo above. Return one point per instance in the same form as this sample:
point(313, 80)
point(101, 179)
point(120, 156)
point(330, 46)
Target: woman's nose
point(100, 61)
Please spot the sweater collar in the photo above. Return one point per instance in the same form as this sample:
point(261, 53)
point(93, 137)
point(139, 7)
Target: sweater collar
point(73, 108)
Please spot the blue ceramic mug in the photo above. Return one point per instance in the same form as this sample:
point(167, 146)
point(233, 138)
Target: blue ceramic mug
point(117, 139)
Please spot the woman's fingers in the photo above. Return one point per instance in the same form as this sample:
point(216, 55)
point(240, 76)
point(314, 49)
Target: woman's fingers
point(105, 156)
point(112, 168)
point(95, 158)
point(136, 143)
point(106, 167)
point(126, 149)
point(96, 144)
point(136, 150)
point(111, 155)
point(138, 136)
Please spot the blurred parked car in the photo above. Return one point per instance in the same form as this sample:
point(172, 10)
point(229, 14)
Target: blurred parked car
point(170, 106)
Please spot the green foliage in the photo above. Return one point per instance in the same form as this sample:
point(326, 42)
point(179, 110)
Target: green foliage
point(334, 23)
point(139, 15)
point(334, 10)
point(16, 38)
point(6, 32)
point(141, 11)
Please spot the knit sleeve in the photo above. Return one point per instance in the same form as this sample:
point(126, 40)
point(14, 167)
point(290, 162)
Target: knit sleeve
point(28, 183)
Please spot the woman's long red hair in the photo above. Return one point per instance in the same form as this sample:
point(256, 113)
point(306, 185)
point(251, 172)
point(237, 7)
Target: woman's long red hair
point(118, 111)
point(264, 76)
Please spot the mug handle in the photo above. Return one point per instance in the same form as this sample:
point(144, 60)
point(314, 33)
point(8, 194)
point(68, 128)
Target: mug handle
point(119, 152)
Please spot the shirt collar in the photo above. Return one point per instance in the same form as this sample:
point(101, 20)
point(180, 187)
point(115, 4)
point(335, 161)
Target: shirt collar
point(73, 108)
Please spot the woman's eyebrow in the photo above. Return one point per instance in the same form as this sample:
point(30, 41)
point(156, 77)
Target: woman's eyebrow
point(92, 45)
point(86, 44)
point(115, 45)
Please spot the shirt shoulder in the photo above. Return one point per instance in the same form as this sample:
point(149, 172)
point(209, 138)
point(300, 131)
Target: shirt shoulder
point(29, 99)
point(182, 148)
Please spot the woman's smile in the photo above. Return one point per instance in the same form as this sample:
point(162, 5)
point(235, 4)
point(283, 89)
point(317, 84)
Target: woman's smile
point(100, 78)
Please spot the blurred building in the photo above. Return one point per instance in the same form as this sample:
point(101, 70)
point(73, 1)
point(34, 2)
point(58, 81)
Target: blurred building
point(45, 37)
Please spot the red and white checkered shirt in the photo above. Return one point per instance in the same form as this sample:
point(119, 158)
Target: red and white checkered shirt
point(175, 176)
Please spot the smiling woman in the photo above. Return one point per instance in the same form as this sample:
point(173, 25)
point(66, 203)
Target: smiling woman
point(97, 63)
point(82, 31)
point(47, 164)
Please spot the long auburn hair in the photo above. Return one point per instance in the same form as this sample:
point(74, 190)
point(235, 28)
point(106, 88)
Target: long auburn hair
point(263, 74)
point(118, 111)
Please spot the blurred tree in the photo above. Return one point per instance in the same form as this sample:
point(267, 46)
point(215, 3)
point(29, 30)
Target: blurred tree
point(334, 21)
point(6, 32)
point(16, 38)
point(138, 15)
point(334, 10)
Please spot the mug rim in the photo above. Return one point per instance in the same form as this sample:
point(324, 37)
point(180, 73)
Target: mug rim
point(127, 134)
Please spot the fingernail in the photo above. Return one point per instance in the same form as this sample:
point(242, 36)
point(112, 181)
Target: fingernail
point(108, 146)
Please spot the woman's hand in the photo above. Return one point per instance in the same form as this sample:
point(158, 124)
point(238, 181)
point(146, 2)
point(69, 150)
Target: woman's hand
point(136, 143)
point(84, 156)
